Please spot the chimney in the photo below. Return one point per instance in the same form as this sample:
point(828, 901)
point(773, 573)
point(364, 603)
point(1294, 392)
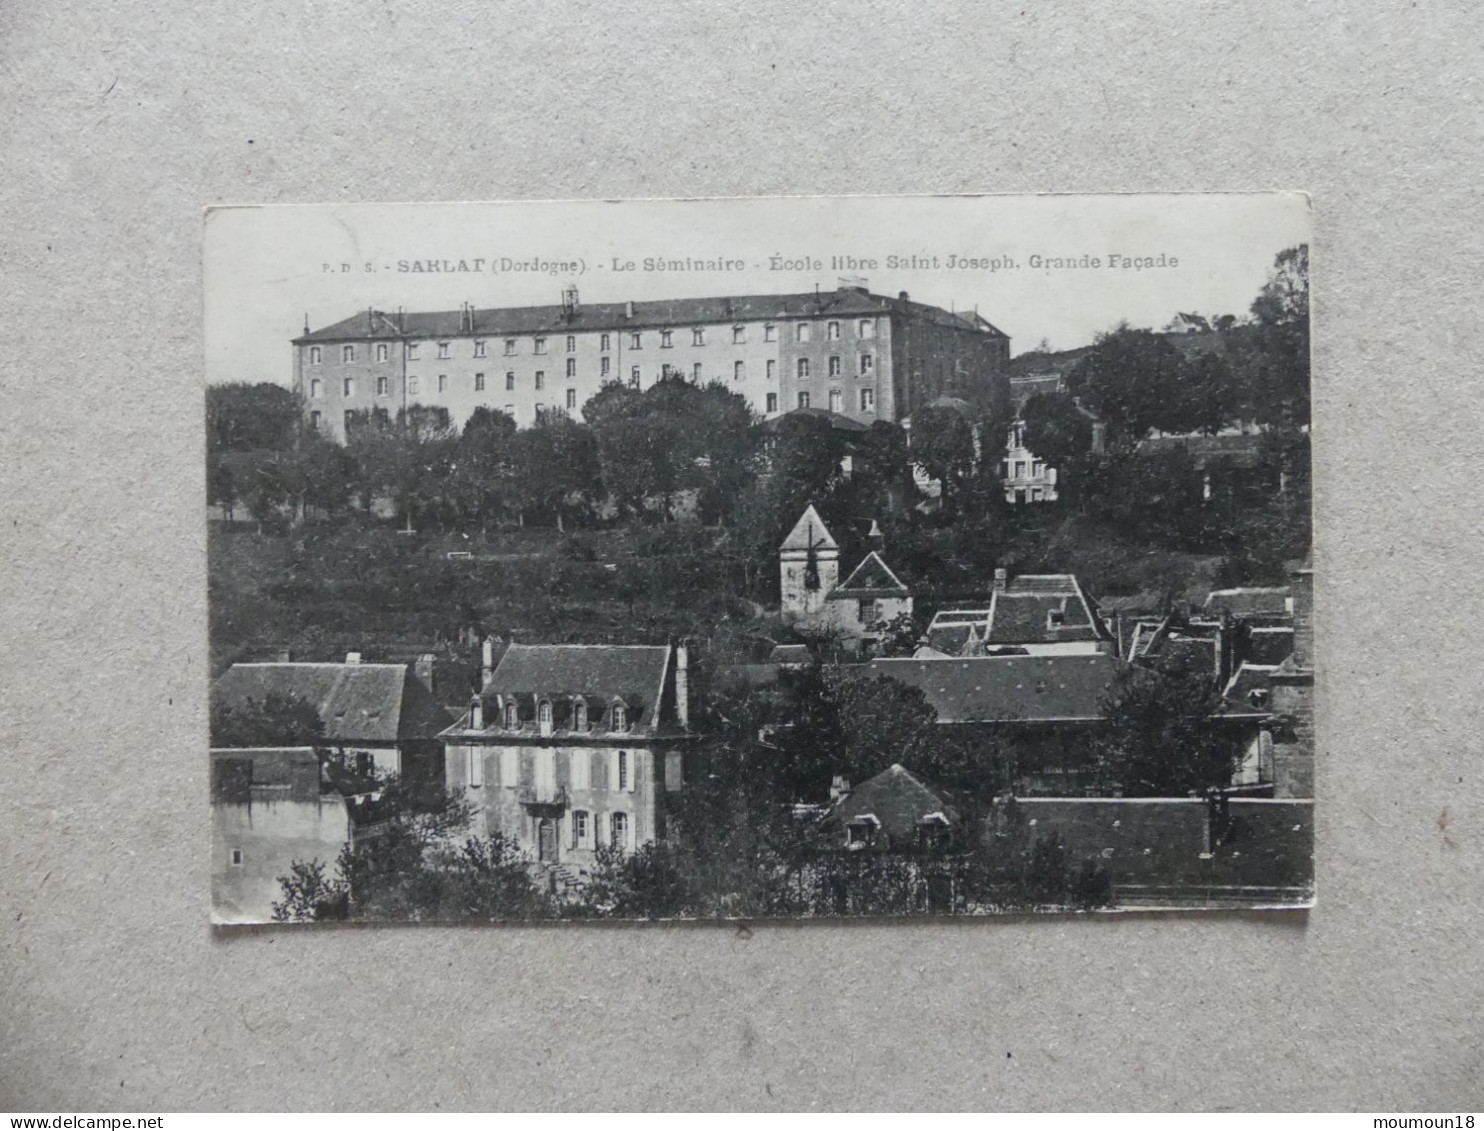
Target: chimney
point(306, 322)
point(1099, 436)
point(423, 670)
point(682, 686)
point(839, 788)
point(1001, 579)
point(487, 661)
point(476, 713)
point(352, 657)
point(370, 319)
point(877, 536)
point(283, 656)
point(902, 296)
point(628, 309)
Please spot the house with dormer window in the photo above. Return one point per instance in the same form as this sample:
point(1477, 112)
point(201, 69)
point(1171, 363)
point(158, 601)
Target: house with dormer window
point(570, 747)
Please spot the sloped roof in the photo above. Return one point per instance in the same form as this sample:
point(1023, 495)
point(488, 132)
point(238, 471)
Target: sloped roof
point(1250, 602)
point(599, 673)
point(872, 578)
point(356, 702)
point(898, 800)
point(790, 654)
point(724, 309)
point(838, 421)
point(1271, 645)
point(1249, 677)
point(1000, 688)
point(809, 533)
point(1020, 613)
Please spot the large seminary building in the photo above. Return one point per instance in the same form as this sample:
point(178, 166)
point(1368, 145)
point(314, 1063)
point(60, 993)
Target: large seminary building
point(862, 355)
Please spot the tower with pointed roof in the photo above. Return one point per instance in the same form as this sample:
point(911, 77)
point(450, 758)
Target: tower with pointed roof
point(808, 566)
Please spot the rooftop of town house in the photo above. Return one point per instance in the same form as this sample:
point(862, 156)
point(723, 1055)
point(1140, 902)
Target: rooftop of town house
point(897, 803)
point(1250, 602)
point(872, 578)
point(356, 702)
point(561, 318)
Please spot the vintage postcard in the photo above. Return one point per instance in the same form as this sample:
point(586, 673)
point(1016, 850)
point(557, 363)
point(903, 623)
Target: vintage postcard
point(749, 558)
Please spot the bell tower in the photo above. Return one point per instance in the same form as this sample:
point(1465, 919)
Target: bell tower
point(808, 566)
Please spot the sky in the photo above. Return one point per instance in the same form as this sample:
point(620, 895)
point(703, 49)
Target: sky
point(1057, 267)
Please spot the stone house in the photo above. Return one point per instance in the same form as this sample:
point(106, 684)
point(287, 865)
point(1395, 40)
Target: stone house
point(812, 595)
point(1032, 614)
point(569, 747)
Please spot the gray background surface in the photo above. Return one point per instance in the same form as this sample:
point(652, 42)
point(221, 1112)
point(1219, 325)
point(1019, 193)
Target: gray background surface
point(123, 121)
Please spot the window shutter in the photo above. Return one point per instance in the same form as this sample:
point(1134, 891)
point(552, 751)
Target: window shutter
point(476, 765)
point(597, 829)
point(613, 782)
point(633, 769)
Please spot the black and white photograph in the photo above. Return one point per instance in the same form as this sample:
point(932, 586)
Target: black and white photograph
point(738, 559)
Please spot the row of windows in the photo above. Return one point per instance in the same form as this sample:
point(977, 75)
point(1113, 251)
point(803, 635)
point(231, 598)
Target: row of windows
point(803, 332)
point(866, 400)
point(1037, 468)
point(866, 365)
point(597, 769)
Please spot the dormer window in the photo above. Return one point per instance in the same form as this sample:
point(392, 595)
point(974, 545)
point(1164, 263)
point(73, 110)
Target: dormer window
point(543, 716)
point(512, 716)
point(620, 715)
point(1055, 618)
point(861, 831)
point(933, 832)
point(1258, 697)
point(579, 715)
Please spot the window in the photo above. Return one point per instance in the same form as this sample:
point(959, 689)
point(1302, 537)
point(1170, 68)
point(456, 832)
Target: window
point(772, 402)
point(316, 388)
point(861, 831)
point(510, 411)
point(314, 355)
point(581, 829)
point(739, 335)
point(605, 366)
point(835, 365)
point(479, 382)
point(667, 371)
point(571, 398)
point(667, 339)
point(867, 328)
point(623, 769)
point(348, 386)
point(836, 399)
point(832, 332)
point(698, 336)
point(772, 369)
point(543, 716)
point(1038, 467)
point(571, 368)
point(868, 400)
point(443, 382)
point(509, 767)
point(803, 400)
point(802, 332)
point(316, 420)
point(236, 857)
point(411, 351)
point(605, 343)
point(571, 343)
point(509, 380)
point(620, 825)
point(412, 386)
point(1020, 469)
point(867, 610)
point(770, 333)
point(739, 370)
point(1037, 495)
point(509, 347)
point(381, 351)
point(696, 372)
point(382, 386)
point(512, 716)
point(479, 348)
point(636, 341)
point(579, 716)
point(443, 350)
point(1055, 618)
point(540, 379)
point(620, 717)
point(867, 363)
point(347, 353)
point(349, 420)
point(540, 345)
point(634, 377)
point(803, 368)
point(476, 767)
